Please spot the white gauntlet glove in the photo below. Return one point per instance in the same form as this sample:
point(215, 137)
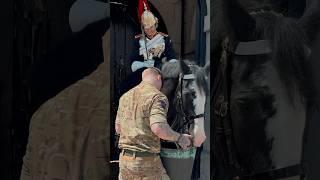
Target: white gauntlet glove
point(138, 64)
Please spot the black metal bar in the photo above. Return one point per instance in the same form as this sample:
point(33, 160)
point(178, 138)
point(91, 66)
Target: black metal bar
point(182, 50)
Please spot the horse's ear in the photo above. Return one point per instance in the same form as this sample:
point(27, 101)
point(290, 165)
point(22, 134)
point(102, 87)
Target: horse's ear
point(310, 21)
point(184, 67)
point(241, 23)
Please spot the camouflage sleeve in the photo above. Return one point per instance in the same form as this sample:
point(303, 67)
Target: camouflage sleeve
point(119, 112)
point(159, 109)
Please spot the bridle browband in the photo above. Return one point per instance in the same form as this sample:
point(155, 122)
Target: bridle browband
point(253, 48)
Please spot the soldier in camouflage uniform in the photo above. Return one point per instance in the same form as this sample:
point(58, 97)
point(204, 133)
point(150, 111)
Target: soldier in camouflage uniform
point(141, 122)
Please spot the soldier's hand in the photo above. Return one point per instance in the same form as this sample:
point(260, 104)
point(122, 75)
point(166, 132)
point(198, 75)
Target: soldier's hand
point(184, 141)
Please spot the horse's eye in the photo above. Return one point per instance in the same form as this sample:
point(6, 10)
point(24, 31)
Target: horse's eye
point(193, 93)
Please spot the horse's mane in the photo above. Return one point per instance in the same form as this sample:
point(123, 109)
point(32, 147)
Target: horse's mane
point(289, 55)
point(171, 70)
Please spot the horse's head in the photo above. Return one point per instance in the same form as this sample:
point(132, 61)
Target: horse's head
point(185, 85)
point(270, 83)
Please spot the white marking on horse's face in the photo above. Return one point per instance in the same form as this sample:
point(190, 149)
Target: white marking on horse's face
point(199, 105)
point(286, 128)
point(200, 99)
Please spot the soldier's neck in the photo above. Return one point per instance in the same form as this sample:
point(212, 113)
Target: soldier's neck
point(150, 82)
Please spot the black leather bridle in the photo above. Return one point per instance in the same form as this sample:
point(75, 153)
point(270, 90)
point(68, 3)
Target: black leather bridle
point(260, 47)
point(187, 119)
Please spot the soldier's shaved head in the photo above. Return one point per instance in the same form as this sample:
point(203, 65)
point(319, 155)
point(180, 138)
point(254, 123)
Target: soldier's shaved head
point(150, 72)
point(153, 76)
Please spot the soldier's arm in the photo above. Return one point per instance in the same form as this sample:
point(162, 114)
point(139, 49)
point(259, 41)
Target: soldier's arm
point(159, 125)
point(164, 131)
point(158, 119)
point(119, 115)
point(118, 128)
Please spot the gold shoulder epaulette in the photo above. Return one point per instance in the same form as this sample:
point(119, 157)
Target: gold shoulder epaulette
point(163, 34)
point(137, 36)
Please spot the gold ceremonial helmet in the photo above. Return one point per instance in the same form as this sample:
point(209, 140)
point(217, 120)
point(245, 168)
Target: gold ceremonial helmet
point(148, 19)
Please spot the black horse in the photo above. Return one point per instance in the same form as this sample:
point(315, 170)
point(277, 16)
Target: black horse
point(185, 85)
point(270, 90)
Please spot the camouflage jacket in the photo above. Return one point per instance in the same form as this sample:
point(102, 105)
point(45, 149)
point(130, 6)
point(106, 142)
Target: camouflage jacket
point(138, 109)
